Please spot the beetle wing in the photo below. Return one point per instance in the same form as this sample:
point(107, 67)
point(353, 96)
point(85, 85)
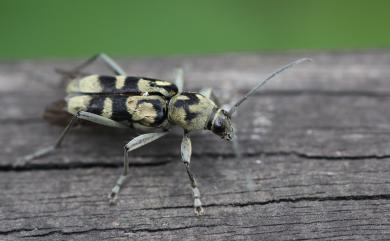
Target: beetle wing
point(102, 84)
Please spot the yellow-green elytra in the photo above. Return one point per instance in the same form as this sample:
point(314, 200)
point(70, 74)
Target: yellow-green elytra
point(100, 84)
point(137, 101)
point(143, 103)
point(77, 103)
point(149, 111)
point(120, 82)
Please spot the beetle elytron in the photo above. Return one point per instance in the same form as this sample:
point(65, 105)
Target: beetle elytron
point(149, 105)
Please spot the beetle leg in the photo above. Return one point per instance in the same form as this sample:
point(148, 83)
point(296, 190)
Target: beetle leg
point(99, 119)
point(179, 81)
point(80, 115)
point(116, 68)
point(47, 150)
point(106, 59)
point(208, 92)
point(77, 71)
point(186, 151)
point(135, 143)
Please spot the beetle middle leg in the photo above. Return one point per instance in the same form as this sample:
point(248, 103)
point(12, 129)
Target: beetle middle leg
point(208, 92)
point(179, 81)
point(135, 143)
point(186, 151)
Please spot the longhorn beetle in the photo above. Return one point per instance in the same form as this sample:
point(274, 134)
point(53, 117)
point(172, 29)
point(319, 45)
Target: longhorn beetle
point(149, 105)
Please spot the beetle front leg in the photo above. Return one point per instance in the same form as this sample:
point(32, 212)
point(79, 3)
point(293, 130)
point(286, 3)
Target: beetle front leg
point(135, 143)
point(186, 151)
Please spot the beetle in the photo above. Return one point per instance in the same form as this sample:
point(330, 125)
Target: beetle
point(149, 105)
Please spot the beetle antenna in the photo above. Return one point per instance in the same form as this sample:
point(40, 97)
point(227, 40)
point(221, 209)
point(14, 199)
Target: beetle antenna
point(263, 82)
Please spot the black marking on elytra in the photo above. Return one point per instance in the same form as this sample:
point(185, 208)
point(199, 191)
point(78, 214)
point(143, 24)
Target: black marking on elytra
point(172, 88)
point(131, 85)
point(185, 104)
point(107, 83)
point(96, 104)
point(119, 108)
point(147, 78)
point(160, 108)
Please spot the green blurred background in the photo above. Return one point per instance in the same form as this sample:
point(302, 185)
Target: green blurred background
point(55, 29)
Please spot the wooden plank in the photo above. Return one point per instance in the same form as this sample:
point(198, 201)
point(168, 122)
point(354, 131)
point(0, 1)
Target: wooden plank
point(365, 71)
point(344, 127)
point(274, 197)
point(315, 163)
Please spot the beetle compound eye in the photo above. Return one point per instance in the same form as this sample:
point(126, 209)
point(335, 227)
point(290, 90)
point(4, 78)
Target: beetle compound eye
point(224, 112)
point(219, 126)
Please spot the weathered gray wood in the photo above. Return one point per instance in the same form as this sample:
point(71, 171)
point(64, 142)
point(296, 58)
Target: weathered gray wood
point(315, 144)
point(360, 71)
point(277, 197)
point(307, 125)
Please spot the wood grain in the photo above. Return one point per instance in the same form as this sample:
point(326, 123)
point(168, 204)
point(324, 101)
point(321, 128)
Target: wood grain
point(315, 165)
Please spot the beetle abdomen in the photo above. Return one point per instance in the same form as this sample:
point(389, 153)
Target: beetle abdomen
point(149, 111)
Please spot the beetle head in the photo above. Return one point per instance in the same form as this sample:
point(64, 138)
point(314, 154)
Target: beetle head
point(221, 125)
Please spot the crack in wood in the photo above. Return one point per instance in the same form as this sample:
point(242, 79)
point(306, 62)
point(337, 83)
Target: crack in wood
point(168, 159)
point(287, 200)
point(233, 205)
point(126, 230)
point(326, 123)
point(74, 165)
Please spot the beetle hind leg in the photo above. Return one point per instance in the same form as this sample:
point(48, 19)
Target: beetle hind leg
point(46, 150)
point(50, 149)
